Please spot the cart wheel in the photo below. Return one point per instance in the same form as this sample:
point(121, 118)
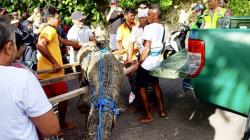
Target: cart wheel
point(247, 129)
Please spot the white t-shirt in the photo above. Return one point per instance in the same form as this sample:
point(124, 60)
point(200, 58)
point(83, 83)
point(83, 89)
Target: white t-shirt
point(81, 35)
point(154, 33)
point(21, 97)
point(136, 37)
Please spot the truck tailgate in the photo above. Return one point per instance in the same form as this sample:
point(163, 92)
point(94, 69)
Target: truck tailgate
point(225, 78)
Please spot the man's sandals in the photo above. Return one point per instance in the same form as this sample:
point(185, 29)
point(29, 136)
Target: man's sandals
point(163, 114)
point(147, 119)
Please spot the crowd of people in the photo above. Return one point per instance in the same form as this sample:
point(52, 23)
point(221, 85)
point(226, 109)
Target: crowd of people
point(40, 41)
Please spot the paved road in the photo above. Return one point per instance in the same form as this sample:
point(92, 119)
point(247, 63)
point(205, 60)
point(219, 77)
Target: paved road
point(187, 120)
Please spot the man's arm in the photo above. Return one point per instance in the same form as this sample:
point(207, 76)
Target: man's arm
point(92, 36)
point(42, 46)
point(119, 38)
point(74, 44)
point(37, 106)
point(130, 52)
point(47, 124)
point(146, 50)
point(118, 44)
point(109, 14)
point(131, 45)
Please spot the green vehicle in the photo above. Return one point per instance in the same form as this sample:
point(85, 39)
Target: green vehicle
point(219, 65)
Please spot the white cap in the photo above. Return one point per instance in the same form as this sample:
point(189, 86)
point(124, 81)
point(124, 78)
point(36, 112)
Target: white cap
point(142, 13)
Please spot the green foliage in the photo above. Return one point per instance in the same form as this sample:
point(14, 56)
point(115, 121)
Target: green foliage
point(240, 7)
point(93, 9)
point(134, 3)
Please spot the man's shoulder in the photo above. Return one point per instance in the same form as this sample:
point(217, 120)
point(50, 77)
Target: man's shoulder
point(152, 25)
point(72, 29)
point(121, 27)
point(12, 71)
point(48, 28)
point(86, 27)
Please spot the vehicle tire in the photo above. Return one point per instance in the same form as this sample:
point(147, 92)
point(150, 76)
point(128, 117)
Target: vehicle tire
point(247, 129)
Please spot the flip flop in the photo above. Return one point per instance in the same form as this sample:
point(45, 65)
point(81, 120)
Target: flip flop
point(163, 114)
point(145, 119)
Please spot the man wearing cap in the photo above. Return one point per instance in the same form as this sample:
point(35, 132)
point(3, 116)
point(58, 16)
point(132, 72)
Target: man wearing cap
point(78, 32)
point(115, 18)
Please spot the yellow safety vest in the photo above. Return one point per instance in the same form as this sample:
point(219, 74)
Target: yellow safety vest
point(211, 21)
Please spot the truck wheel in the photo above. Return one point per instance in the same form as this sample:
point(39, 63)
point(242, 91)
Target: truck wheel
point(247, 129)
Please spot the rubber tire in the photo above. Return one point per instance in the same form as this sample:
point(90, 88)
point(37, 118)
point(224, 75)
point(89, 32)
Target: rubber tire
point(247, 129)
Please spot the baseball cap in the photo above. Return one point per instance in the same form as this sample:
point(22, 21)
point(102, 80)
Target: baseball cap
point(113, 1)
point(77, 15)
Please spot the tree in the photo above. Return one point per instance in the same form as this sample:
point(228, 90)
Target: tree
point(93, 9)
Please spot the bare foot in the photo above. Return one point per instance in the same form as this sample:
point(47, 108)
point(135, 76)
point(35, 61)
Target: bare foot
point(68, 125)
point(145, 119)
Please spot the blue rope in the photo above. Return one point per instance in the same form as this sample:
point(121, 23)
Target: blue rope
point(103, 103)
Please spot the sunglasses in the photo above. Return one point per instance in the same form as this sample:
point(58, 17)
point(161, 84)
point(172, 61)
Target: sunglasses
point(113, 3)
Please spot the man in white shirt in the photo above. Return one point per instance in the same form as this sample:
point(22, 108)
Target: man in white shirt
point(23, 103)
point(153, 36)
point(135, 45)
point(78, 32)
point(136, 34)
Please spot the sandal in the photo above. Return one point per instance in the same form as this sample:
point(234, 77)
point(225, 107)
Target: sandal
point(163, 114)
point(145, 119)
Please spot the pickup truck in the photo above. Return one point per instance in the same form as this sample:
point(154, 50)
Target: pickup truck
point(219, 66)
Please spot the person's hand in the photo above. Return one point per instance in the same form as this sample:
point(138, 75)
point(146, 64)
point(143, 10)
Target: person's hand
point(112, 9)
point(89, 43)
point(36, 10)
point(56, 67)
point(137, 65)
point(119, 9)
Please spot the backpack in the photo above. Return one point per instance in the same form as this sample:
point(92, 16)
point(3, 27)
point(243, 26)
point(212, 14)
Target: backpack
point(30, 51)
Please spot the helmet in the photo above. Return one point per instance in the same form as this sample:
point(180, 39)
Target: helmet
point(24, 25)
point(199, 6)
